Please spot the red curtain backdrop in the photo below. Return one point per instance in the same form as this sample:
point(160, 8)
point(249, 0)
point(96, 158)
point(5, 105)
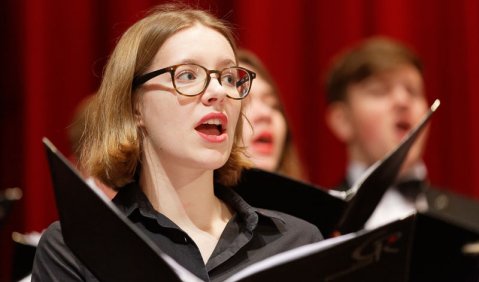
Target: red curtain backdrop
point(53, 52)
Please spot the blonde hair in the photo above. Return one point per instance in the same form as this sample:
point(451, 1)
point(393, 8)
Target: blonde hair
point(111, 147)
point(77, 126)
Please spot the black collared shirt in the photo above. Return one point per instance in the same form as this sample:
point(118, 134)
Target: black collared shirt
point(250, 236)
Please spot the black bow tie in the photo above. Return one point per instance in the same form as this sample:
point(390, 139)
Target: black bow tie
point(410, 189)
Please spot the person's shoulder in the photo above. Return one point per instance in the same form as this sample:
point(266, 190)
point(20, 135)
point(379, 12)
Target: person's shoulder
point(292, 225)
point(52, 236)
point(54, 261)
point(51, 243)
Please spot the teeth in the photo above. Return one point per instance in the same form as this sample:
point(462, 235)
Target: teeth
point(213, 121)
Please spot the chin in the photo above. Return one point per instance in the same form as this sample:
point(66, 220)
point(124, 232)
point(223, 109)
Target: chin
point(265, 165)
point(213, 161)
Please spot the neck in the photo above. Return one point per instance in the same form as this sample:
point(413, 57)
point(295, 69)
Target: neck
point(186, 196)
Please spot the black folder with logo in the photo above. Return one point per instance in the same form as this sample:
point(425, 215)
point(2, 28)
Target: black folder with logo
point(96, 231)
point(446, 239)
point(376, 255)
point(113, 249)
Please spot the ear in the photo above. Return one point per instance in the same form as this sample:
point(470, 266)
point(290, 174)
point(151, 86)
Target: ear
point(339, 121)
point(138, 113)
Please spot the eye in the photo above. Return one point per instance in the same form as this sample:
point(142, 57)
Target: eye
point(414, 91)
point(231, 77)
point(377, 88)
point(270, 100)
point(228, 79)
point(186, 76)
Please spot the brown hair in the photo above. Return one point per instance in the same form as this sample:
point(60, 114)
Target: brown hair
point(369, 57)
point(289, 163)
point(111, 147)
point(77, 126)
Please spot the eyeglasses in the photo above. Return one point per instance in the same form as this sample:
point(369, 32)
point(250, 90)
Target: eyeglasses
point(192, 79)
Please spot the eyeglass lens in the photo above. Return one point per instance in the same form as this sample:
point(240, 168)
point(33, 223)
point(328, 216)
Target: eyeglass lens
point(192, 79)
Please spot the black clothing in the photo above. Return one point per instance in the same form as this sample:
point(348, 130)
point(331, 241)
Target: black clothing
point(409, 189)
point(250, 236)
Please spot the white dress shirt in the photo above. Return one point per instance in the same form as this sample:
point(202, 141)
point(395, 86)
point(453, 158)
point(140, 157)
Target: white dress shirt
point(393, 204)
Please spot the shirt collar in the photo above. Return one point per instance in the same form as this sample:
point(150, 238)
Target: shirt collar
point(130, 198)
point(246, 212)
point(356, 169)
point(127, 198)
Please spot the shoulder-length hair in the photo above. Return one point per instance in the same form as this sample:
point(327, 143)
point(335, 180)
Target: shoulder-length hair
point(111, 144)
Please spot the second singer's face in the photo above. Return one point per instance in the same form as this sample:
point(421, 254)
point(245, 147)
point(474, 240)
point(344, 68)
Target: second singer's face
point(382, 109)
point(265, 138)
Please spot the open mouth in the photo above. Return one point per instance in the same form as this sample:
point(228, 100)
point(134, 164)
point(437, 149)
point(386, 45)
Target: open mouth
point(263, 143)
point(264, 138)
point(403, 127)
point(211, 127)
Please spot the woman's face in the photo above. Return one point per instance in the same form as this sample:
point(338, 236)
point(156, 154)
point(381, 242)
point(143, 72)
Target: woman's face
point(195, 132)
point(265, 138)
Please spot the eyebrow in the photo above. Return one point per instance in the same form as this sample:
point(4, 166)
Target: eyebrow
point(223, 63)
point(228, 63)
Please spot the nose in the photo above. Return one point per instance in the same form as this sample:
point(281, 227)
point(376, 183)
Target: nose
point(214, 92)
point(402, 96)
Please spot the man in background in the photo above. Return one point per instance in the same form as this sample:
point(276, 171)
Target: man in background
point(375, 96)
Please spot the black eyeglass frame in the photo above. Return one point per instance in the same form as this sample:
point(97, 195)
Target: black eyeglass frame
point(139, 80)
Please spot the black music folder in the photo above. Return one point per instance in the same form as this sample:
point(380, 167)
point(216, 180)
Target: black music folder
point(96, 232)
point(446, 239)
point(378, 255)
point(272, 191)
point(330, 210)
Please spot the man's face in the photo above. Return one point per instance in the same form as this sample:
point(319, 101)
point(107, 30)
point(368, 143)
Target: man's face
point(381, 110)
